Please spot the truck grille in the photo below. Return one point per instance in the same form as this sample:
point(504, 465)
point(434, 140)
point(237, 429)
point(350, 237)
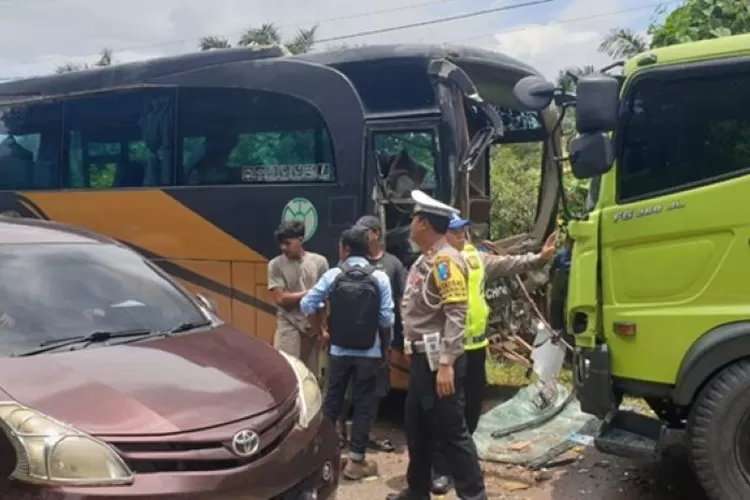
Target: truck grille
point(190, 453)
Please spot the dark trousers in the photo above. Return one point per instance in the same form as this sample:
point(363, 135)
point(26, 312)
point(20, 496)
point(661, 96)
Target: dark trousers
point(363, 375)
point(433, 422)
point(474, 385)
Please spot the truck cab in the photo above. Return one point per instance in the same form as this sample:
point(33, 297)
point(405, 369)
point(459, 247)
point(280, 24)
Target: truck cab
point(658, 293)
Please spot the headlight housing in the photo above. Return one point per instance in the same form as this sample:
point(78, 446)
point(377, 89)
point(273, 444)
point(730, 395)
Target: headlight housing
point(309, 399)
point(50, 452)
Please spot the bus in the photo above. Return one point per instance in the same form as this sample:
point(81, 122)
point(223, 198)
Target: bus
point(194, 160)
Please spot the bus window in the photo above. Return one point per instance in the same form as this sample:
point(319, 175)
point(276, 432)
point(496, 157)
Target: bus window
point(30, 144)
point(120, 140)
point(236, 136)
point(412, 151)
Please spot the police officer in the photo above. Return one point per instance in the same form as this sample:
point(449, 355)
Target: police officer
point(434, 318)
point(480, 267)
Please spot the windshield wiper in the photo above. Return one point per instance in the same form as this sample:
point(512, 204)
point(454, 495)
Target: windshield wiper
point(92, 337)
point(189, 325)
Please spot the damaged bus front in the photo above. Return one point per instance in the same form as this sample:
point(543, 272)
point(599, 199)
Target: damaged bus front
point(433, 117)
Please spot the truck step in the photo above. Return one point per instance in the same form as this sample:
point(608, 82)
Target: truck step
point(631, 435)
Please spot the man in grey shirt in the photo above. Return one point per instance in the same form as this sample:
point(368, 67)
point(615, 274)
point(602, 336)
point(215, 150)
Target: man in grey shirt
point(290, 276)
point(394, 269)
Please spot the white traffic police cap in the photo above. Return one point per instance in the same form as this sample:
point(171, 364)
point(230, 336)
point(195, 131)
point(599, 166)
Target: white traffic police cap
point(428, 204)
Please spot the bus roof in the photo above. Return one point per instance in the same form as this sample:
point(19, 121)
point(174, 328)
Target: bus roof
point(717, 48)
point(483, 66)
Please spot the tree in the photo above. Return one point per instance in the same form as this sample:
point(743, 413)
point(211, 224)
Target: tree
point(266, 34)
point(702, 20)
point(623, 43)
point(567, 82)
point(105, 59)
point(694, 20)
point(214, 42)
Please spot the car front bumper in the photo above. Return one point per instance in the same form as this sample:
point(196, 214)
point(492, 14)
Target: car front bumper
point(305, 466)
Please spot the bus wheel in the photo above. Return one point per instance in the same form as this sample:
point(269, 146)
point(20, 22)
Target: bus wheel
point(719, 432)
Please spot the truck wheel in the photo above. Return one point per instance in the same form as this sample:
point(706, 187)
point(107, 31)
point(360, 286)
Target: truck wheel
point(719, 432)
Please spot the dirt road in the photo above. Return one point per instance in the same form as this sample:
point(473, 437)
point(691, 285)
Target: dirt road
point(588, 474)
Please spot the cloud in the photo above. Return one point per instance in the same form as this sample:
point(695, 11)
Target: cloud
point(572, 37)
point(38, 35)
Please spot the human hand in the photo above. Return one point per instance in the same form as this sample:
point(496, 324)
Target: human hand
point(324, 339)
point(548, 250)
point(444, 381)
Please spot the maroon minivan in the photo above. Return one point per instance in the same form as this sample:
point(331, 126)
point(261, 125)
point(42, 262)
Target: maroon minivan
point(115, 382)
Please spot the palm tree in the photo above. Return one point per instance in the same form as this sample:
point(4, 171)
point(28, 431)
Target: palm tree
point(267, 34)
point(623, 43)
point(105, 59)
point(303, 41)
point(567, 82)
point(214, 42)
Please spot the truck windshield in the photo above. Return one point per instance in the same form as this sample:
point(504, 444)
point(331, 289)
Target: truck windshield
point(55, 291)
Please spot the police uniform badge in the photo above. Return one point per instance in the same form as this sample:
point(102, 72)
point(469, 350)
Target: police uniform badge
point(443, 271)
point(473, 262)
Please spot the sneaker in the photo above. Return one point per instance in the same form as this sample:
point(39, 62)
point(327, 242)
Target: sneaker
point(355, 470)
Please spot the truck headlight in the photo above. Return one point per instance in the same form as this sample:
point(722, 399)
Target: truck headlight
point(51, 452)
point(310, 400)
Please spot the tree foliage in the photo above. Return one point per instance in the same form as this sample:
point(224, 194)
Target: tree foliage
point(266, 34)
point(105, 59)
point(702, 20)
point(623, 43)
point(692, 21)
point(515, 177)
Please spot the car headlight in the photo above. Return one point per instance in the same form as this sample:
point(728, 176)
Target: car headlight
point(51, 452)
point(310, 400)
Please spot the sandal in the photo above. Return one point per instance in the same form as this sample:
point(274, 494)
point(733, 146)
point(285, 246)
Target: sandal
point(383, 445)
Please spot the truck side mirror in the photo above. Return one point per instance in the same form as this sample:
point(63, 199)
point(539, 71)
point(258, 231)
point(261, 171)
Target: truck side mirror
point(534, 92)
point(591, 155)
point(597, 103)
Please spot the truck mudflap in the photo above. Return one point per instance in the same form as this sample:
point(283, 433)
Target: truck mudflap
point(593, 382)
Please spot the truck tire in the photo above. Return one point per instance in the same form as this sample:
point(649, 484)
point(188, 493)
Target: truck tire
point(719, 434)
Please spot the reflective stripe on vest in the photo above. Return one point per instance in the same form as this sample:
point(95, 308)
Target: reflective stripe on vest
point(478, 312)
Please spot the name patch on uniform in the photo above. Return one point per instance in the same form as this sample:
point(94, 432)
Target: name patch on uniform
point(450, 281)
point(472, 262)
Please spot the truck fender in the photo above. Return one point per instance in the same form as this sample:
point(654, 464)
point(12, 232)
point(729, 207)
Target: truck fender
point(713, 351)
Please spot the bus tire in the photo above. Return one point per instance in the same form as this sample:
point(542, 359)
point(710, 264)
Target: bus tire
point(719, 433)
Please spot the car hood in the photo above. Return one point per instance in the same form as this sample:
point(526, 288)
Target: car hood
point(163, 386)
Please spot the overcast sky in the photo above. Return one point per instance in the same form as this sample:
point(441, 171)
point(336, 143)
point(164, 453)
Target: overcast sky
point(39, 35)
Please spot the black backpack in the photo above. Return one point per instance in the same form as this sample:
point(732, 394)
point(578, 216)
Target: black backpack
point(354, 299)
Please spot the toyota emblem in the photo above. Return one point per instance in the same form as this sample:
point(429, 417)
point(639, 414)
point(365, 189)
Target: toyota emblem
point(245, 443)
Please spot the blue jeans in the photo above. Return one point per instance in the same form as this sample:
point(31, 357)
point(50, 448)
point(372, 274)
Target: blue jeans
point(363, 374)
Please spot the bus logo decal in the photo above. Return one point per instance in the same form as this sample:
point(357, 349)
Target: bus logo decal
point(302, 209)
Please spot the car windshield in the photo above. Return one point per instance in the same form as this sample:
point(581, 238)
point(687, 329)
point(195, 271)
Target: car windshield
point(55, 291)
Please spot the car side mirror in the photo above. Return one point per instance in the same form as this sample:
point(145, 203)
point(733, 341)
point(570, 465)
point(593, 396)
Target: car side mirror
point(597, 103)
point(591, 155)
point(534, 92)
point(207, 302)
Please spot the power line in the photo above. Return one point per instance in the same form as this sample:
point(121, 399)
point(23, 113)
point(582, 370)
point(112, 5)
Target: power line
point(440, 20)
point(567, 21)
point(312, 22)
point(487, 35)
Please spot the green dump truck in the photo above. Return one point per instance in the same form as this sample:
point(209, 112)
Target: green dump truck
point(659, 291)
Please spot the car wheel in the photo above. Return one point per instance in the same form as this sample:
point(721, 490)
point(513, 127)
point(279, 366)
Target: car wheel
point(719, 433)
